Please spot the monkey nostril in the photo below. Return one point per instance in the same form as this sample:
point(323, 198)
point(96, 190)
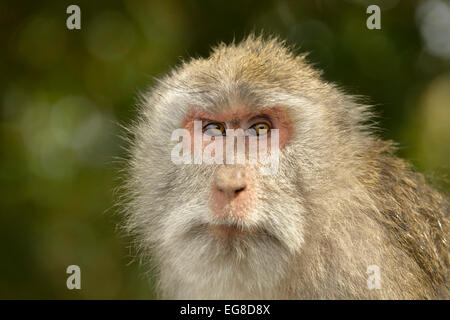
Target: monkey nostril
point(231, 191)
point(230, 181)
point(239, 190)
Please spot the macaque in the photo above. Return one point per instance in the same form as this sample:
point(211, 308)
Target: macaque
point(339, 217)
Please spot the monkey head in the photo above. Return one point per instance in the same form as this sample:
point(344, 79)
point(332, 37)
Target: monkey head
point(228, 229)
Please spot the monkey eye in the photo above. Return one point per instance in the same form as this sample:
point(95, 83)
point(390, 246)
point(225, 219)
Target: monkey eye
point(259, 129)
point(214, 129)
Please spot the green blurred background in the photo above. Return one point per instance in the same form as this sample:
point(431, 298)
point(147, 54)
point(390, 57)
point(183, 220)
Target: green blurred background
point(63, 94)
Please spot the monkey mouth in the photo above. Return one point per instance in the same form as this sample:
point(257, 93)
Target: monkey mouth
point(228, 231)
point(234, 235)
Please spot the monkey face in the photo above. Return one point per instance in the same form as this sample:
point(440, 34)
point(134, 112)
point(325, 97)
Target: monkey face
point(238, 206)
point(218, 217)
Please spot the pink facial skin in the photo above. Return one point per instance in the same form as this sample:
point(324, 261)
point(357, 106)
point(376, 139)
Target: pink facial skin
point(278, 116)
point(226, 202)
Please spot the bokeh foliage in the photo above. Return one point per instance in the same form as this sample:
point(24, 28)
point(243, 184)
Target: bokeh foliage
point(63, 94)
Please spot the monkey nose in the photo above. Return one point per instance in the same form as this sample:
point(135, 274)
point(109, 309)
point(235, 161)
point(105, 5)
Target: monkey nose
point(230, 180)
